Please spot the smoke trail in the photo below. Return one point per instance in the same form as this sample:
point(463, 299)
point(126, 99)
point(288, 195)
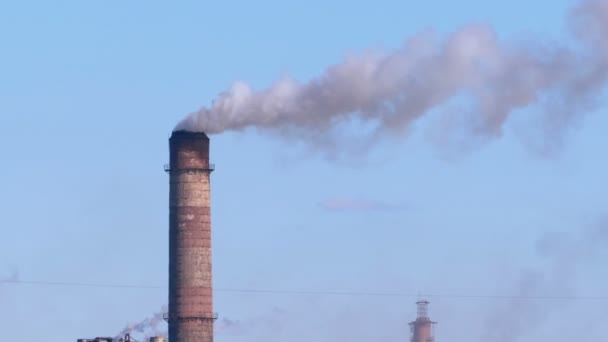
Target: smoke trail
point(149, 325)
point(224, 326)
point(11, 278)
point(386, 92)
point(566, 253)
point(272, 321)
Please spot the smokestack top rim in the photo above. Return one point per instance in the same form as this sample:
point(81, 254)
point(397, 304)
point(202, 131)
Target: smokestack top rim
point(184, 134)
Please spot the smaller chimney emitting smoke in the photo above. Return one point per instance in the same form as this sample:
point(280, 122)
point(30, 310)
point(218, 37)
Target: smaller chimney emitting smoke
point(422, 328)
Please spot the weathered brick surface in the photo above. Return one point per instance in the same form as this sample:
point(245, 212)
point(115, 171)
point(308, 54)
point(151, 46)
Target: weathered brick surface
point(190, 270)
point(422, 330)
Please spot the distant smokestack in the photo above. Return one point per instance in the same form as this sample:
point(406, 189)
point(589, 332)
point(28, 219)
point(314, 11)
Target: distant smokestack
point(190, 315)
point(422, 328)
point(388, 91)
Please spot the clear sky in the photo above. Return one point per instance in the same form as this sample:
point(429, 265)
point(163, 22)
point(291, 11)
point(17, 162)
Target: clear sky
point(90, 91)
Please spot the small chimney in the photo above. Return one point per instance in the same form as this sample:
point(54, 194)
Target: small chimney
point(422, 328)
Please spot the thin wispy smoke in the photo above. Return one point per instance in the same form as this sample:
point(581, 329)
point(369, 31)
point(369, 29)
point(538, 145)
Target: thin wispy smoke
point(272, 320)
point(147, 328)
point(387, 91)
point(565, 254)
point(356, 204)
point(10, 278)
point(150, 327)
point(229, 326)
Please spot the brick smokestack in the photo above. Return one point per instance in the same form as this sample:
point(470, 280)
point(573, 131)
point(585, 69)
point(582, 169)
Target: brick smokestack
point(422, 328)
point(190, 315)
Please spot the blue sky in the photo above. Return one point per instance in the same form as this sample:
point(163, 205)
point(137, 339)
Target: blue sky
point(89, 93)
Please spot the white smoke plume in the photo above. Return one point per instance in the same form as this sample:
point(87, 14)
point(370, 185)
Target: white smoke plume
point(387, 91)
point(149, 327)
point(146, 328)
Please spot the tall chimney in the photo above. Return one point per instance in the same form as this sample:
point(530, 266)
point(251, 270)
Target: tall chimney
point(422, 328)
point(190, 315)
